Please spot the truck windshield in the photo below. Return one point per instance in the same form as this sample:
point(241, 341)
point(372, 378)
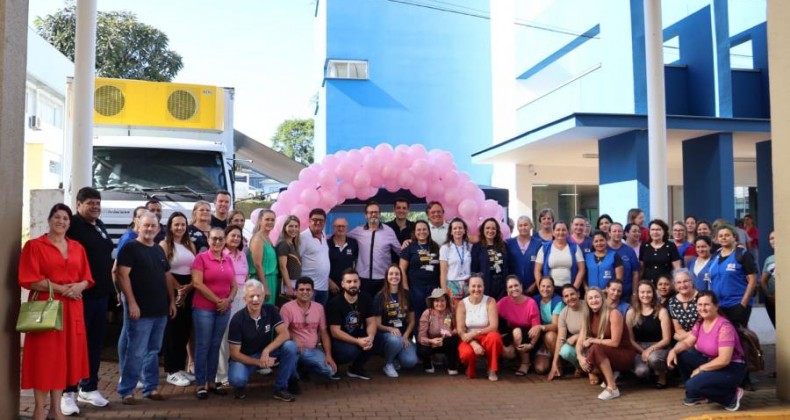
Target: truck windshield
point(156, 169)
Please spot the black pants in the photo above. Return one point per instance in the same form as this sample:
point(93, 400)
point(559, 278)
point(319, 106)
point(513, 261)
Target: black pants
point(95, 313)
point(177, 333)
point(738, 315)
point(449, 348)
point(771, 308)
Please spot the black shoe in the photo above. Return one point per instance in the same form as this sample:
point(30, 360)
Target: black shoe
point(218, 390)
point(283, 395)
point(239, 393)
point(294, 387)
point(201, 394)
point(358, 373)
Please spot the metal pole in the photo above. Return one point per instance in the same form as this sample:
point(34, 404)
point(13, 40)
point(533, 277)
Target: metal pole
point(656, 110)
point(84, 65)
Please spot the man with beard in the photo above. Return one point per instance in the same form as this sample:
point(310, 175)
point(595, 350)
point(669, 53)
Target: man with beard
point(376, 241)
point(352, 325)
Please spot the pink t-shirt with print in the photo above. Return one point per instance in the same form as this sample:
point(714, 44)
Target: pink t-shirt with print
point(722, 334)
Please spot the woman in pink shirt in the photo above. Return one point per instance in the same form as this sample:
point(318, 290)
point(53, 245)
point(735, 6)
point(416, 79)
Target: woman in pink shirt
point(234, 251)
point(521, 314)
point(215, 287)
point(710, 358)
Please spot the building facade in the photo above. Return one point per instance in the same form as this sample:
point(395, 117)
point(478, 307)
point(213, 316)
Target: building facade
point(404, 72)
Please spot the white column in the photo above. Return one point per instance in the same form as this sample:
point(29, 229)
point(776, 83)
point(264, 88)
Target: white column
point(84, 65)
point(656, 110)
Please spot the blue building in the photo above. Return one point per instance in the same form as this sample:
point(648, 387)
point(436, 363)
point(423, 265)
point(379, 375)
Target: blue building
point(405, 72)
point(569, 106)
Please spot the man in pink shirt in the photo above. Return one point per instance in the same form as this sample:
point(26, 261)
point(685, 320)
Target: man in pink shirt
point(306, 323)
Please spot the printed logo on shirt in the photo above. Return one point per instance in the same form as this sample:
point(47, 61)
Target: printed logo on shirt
point(349, 252)
point(352, 321)
point(267, 328)
point(731, 267)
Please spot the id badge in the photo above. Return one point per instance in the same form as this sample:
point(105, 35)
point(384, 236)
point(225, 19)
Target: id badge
point(428, 267)
point(397, 323)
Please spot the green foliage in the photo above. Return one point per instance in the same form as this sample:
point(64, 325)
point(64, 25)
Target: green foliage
point(294, 138)
point(125, 47)
point(248, 205)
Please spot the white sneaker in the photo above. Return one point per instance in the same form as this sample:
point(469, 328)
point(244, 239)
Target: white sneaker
point(140, 385)
point(607, 395)
point(68, 404)
point(178, 379)
point(452, 372)
point(94, 398)
point(188, 375)
point(265, 371)
point(389, 370)
point(616, 375)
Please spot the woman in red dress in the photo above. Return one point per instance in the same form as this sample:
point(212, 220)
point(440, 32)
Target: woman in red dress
point(54, 359)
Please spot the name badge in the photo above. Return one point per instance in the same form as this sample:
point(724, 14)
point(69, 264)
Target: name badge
point(397, 323)
point(731, 267)
point(532, 258)
point(428, 267)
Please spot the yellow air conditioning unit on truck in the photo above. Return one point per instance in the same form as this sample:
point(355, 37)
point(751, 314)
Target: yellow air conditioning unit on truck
point(168, 141)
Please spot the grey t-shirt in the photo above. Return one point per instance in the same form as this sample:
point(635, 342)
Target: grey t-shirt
point(572, 320)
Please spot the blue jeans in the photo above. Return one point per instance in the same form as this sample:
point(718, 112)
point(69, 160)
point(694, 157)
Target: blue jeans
point(391, 347)
point(344, 353)
point(321, 296)
point(142, 354)
point(239, 373)
point(123, 339)
point(209, 327)
point(314, 360)
point(718, 385)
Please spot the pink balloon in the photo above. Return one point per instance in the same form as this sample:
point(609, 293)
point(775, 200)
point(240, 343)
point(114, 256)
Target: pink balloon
point(257, 212)
point(361, 180)
point(392, 186)
point(345, 170)
point(327, 177)
point(330, 162)
point(467, 208)
point(346, 190)
point(308, 176)
point(489, 209)
point(402, 148)
point(405, 179)
point(451, 198)
point(449, 178)
point(300, 211)
point(309, 197)
point(419, 167)
point(389, 174)
point(384, 152)
point(419, 187)
point(450, 212)
point(366, 193)
point(417, 151)
point(435, 191)
point(400, 158)
point(354, 156)
point(274, 235)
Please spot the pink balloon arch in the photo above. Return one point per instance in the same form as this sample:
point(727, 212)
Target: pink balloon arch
point(359, 173)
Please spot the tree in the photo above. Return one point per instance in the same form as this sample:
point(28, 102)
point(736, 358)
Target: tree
point(294, 139)
point(125, 47)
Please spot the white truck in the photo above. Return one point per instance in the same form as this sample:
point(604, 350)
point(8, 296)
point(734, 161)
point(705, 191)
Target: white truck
point(169, 141)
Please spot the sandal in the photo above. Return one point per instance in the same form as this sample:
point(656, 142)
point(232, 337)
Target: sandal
point(578, 373)
point(201, 394)
point(218, 391)
point(522, 370)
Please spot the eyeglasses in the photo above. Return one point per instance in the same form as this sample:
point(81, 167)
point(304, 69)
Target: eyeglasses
point(317, 220)
point(216, 239)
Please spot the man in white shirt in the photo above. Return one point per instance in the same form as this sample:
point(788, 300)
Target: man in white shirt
point(314, 252)
point(439, 227)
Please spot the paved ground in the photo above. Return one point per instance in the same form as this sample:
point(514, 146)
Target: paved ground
point(423, 396)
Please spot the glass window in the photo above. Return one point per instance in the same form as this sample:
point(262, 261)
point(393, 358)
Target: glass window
point(347, 69)
point(170, 171)
point(566, 201)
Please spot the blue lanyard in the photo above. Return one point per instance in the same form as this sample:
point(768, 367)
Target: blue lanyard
point(461, 255)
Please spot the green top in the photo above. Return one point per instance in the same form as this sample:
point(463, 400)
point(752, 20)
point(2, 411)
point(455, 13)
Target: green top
point(269, 262)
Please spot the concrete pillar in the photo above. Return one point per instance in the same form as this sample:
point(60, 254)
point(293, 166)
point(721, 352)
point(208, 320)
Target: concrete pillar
point(778, 14)
point(623, 165)
point(708, 177)
point(765, 197)
point(518, 180)
point(656, 110)
point(13, 58)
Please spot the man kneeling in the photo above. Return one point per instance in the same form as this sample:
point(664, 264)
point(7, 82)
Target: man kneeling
point(257, 338)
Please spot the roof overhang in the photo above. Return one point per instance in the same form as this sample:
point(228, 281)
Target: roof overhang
point(573, 140)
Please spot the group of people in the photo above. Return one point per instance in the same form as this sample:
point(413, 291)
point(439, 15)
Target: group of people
point(220, 307)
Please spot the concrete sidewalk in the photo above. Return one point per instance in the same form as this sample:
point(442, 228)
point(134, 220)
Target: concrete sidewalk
point(424, 396)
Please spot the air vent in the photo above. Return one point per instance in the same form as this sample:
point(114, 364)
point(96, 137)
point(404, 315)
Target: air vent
point(108, 100)
point(182, 105)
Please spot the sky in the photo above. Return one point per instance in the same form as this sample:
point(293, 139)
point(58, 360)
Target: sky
point(262, 48)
